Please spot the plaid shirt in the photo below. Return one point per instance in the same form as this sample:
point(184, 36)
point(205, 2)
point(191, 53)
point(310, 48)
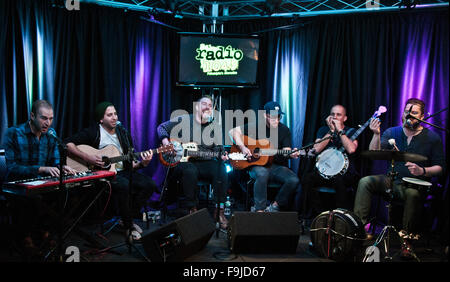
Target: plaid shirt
point(25, 153)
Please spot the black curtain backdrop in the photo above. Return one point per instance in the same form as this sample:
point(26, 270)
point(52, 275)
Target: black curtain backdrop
point(76, 59)
point(359, 61)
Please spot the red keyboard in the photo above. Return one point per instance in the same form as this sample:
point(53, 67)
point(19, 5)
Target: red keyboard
point(49, 183)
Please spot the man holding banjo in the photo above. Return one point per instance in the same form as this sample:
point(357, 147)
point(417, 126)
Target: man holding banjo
point(425, 159)
point(330, 138)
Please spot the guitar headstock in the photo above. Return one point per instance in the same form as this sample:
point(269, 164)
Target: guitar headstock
point(381, 110)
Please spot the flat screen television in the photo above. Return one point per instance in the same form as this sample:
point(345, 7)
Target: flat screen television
point(217, 60)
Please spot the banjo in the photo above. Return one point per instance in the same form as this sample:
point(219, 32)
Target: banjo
point(334, 161)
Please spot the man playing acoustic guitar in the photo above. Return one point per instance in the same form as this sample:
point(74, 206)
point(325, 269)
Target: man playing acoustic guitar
point(106, 132)
point(278, 169)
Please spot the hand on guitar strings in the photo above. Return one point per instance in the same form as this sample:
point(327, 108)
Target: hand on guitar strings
point(246, 151)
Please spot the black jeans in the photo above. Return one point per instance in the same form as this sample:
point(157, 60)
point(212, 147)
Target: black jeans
point(278, 173)
point(212, 170)
point(143, 187)
point(311, 194)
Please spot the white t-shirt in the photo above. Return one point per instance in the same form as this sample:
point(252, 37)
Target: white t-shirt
point(110, 139)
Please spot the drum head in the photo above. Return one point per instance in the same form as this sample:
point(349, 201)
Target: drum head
point(417, 181)
point(337, 234)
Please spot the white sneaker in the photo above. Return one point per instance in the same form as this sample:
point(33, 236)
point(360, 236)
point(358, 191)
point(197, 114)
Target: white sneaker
point(135, 236)
point(137, 228)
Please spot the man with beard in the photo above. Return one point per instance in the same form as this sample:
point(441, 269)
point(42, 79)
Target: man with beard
point(409, 137)
point(196, 124)
point(105, 132)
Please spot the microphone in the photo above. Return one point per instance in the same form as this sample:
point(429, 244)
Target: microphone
point(408, 116)
point(392, 143)
point(52, 133)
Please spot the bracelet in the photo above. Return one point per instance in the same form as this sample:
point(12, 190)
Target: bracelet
point(424, 171)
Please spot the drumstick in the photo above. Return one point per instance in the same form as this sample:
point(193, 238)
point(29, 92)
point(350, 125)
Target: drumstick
point(392, 142)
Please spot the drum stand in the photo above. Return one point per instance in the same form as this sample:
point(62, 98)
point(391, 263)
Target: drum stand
point(385, 233)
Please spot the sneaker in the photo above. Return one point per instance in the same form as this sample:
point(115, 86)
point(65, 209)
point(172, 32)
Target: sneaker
point(272, 208)
point(135, 235)
point(406, 252)
point(253, 209)
point(135, 226)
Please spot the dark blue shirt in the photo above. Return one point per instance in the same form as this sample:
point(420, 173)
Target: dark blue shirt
point(25, 153)
point(427, 143)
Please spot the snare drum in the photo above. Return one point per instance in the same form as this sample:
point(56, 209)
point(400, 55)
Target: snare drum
point(415, 183)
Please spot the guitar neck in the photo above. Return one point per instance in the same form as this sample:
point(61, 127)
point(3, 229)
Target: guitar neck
point(202, 154)
point(135, 155)
point(361, 129)
point(273, 152)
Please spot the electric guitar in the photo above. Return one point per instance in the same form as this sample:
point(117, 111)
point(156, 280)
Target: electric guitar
point(262, 153)
point(183, 152)
point(110, 156)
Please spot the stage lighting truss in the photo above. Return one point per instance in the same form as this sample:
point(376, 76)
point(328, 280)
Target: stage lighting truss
point(252, 9)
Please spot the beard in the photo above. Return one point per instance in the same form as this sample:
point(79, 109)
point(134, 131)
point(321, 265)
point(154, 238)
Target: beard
point(410, 125)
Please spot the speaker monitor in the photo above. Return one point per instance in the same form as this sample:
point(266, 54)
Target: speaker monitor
point(255, 233)
point(181, 238)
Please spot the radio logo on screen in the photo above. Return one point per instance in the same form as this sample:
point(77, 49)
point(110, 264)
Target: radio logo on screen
point(219, 60)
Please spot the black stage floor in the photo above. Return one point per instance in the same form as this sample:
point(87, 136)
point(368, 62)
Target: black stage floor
point(216, 249)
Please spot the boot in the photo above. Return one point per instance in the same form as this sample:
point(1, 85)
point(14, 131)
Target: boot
point(222, 218)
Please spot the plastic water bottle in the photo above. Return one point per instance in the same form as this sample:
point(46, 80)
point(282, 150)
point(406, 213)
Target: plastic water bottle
point(227, 211)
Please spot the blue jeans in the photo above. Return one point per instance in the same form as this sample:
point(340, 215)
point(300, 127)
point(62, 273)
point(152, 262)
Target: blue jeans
point(275, 173)
point(377, 184)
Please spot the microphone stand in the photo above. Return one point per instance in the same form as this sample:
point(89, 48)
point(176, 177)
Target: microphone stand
point(62, 148)
point(129, 241)
point(421, 120)
point(162, 197)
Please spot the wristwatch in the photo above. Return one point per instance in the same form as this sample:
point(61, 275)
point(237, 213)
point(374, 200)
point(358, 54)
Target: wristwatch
point(341, 132)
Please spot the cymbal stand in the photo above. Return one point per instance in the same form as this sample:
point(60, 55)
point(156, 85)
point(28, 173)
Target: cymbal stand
point(385, 233)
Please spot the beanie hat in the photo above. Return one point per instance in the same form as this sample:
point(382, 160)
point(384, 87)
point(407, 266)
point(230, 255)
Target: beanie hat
point(100, 110)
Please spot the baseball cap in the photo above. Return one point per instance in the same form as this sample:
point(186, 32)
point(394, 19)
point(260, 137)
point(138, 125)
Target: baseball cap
point(273, 106)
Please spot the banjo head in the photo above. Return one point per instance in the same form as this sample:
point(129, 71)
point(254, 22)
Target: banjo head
point(172, 158)
point(331, 162)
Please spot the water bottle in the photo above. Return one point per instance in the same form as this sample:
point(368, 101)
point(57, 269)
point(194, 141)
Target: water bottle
point(227, 211)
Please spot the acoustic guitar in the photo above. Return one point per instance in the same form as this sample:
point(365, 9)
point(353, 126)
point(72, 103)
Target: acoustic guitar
point(262, 153)
point(110, 156)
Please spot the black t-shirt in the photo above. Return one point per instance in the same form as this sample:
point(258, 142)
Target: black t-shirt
point(201, 134)
point(283, 139)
